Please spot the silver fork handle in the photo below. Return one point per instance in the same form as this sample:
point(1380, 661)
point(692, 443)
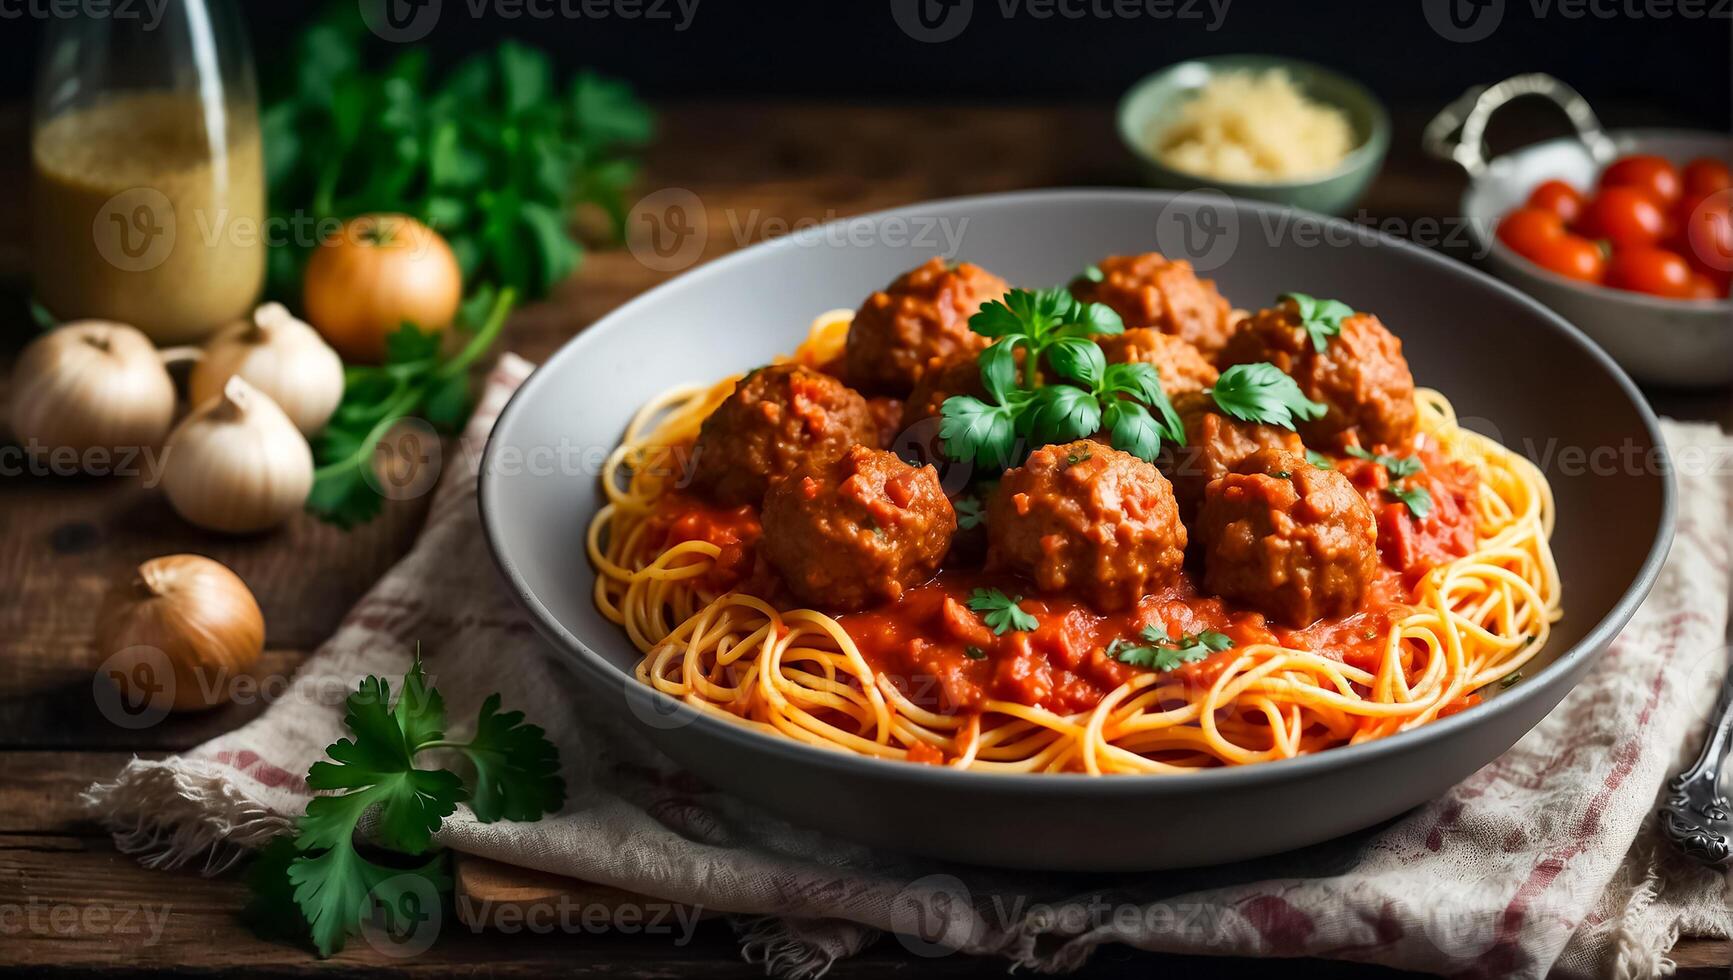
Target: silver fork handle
point(1696, 815)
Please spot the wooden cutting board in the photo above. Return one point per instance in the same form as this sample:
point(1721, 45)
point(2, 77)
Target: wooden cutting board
point(491, 894)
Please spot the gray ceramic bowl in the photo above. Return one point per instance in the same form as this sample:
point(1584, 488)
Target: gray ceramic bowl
point(1664, 341)
point(1152, 104)
point(1514, 369)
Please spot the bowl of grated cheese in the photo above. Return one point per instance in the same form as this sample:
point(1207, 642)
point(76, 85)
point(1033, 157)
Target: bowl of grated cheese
point(1257, 126)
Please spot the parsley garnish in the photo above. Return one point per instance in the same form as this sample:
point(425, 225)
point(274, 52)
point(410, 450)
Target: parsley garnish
point(1053, 329)
point(1161, 652)
point(1398, 467)
point(1418, 499)
point(1319, 460)
point(413, 381)
point(1321, 318)
point(318, 877)
point(1073, 459)
point(974, 652)
point(1001, 612)
point(1092, 273)
point(1262, 393)
point(1507, 680)
point(971, 513)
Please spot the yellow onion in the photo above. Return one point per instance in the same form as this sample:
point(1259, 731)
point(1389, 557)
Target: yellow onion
point(192, 612)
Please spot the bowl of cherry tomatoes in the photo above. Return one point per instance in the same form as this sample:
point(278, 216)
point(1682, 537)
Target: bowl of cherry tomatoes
point(1627, 233)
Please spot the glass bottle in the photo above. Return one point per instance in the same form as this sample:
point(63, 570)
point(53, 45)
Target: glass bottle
point(148, 191)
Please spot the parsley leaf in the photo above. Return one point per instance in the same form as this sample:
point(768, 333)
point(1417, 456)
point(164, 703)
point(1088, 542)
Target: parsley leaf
point(1418, 499)
point(1262, 393)
point(322, 879)
point(1161, 652)
point(974, 431)
point(1319, 460)
point(974, 652)
point(1092, 273)
point(971, 513)
point(1398, 467)
point(1321, 318)
point(1061, 413)
point(1078, 360)
point(516, 767)
point(1000, 612)
point(413, 380)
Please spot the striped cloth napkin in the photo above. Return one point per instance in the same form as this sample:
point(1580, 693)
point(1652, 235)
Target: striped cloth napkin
point(1546, 860)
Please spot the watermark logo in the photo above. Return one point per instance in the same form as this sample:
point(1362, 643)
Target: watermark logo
point(135, 687)
point(134, 230)
point(668, 229)
point(663, 714)
point(400, 21)
point(1201, 226)
point(406, 462)
point(405, 916)
point(1455, 927)
point(1463, 21)
point(932, 21)
point(940, 914)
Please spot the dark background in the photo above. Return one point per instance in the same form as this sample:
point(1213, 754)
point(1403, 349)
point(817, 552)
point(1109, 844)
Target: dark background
point(803, 49)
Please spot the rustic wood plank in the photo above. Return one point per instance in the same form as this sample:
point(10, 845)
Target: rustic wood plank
point(39, 790)
point(53, 703)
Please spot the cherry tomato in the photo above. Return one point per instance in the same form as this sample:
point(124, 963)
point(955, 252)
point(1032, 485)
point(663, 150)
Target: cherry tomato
point(1625, 216)
point(1560, 198)
point(1540, 237)
point(1704, 176)
point(1702, 287)
point(1706, 234)
point(1528, 230)
point(1650, 174)
point(1655, 271)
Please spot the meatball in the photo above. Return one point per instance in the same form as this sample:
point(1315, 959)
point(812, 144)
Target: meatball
point(1361, 376)
point(887, 419)
point(857, 529)
point(1287, 539)
point(922, 315)
point(959, 374)
point(1214, 444)
point(1181, 366)
point(1087, 519)
point(1150, 291)
point(776, 417)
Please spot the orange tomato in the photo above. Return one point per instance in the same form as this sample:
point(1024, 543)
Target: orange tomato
point(379, 272)
point(1652, 175)
point(1655, 271)
point(1558, 197)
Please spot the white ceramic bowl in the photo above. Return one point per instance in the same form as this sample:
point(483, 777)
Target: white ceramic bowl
point(1662, 341)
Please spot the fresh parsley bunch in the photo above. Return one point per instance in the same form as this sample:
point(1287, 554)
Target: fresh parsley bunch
point(492, 154)
point(416, 380)
point(318, 878)
point(1261, 393)
point(1052, 328)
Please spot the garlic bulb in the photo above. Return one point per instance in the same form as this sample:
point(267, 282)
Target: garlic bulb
point(190, 611)
point(89, 385)
point(237, 463)
point(279, 355)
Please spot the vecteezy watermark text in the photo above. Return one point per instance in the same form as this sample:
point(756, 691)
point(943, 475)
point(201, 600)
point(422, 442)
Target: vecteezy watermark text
point(409, 21)
point(936, 21)
point(147, 12)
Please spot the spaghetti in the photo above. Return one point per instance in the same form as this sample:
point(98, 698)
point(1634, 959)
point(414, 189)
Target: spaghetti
point(1463, 625)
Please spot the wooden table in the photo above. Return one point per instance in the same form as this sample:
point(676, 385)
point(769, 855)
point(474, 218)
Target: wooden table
point(65, 891)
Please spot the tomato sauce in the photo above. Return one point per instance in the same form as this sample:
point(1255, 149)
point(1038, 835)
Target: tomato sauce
point(735, 530)
point(1414, 546)
point(942, 655)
